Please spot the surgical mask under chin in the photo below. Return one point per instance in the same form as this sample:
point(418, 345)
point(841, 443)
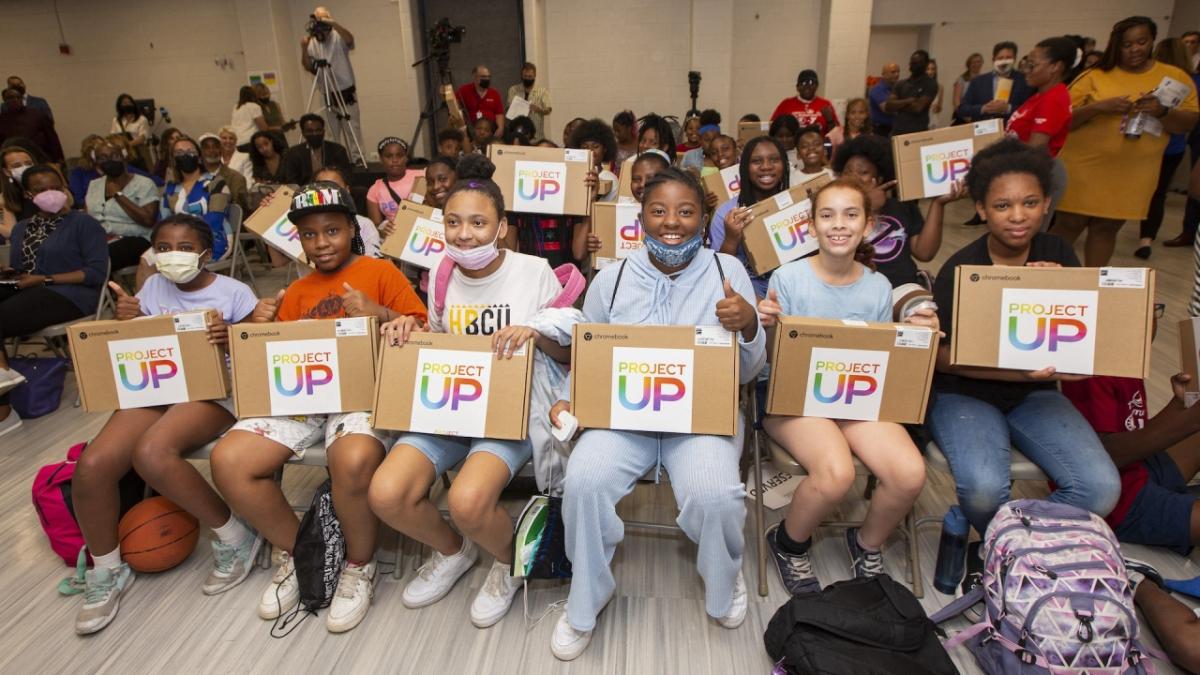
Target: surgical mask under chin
point(1003, 66)
point(474, 258)
point(673, 255)
point(50, 201)
point(178, 267)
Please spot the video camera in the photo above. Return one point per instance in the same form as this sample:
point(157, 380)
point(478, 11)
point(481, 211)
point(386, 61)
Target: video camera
point(317, 28)
point(443, 34)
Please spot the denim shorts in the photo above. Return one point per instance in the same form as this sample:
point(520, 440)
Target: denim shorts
point(1161, 513)
point(446, 452)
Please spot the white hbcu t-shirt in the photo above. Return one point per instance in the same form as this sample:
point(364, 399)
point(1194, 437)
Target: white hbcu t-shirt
point(510, 296)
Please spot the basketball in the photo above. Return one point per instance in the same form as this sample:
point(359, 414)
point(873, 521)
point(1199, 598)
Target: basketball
point(157, 535)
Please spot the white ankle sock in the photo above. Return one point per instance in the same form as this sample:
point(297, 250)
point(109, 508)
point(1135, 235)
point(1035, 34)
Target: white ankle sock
point(233, 532)
point(111, 560)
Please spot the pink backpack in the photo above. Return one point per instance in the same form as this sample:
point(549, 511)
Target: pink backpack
point(52, 499)
point(568, 275)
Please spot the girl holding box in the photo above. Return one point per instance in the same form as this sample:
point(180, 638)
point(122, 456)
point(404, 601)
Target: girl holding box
point(154, 440)
point(483, 276)
point(673, 280)
point(345, 283)
point(839, 283)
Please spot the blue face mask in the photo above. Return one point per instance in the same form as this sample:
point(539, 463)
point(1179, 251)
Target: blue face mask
point(676, 255)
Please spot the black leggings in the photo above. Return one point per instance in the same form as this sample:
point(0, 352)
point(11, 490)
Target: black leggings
point(126, 252)
point(1154, 216)
point(28, 311)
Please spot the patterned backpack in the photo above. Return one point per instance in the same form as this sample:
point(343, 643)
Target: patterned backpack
point(1057, 598)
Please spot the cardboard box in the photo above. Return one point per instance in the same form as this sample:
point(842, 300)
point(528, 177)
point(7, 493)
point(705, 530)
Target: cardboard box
point(619, 227)
point(726, 183)
point(419, 238)
point(452, 107)
point(271, 223)
point(1189, 362)
point(778, 234)
point(453, 385)
point(157, 360)
point(748, 130)
point(851, 370)
point(543, 180)
point(1081, 320)
point(681, 379)
point(304, 367)
point(929, 162)
point(625, 182)
point(419, 189)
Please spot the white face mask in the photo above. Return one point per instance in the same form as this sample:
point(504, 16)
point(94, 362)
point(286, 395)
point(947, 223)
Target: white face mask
point(1003, 66)
point(17, 172)
point(178, 267)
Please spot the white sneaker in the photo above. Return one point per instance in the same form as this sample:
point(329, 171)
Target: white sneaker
point(438, 575)
point(10, 423)
point(567, 643)
point(231, 564)
point(10, 379)
point(102, 593)
point(741, 600)
point(283, 593)
point(352, 599)
point(496, 596)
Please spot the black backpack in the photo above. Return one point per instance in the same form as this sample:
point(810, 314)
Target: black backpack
point(856, 627)
point(318, 554)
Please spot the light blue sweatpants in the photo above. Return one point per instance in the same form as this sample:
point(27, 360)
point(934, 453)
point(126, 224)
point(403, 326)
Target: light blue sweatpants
point(604, 467)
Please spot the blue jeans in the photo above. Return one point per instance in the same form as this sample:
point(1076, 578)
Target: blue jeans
point(975, 436)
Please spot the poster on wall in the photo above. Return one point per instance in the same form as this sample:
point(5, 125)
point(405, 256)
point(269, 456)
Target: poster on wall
point(267, 77)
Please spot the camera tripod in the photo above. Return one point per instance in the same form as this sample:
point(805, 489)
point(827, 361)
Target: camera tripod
point(334, 103)
point(433, 100)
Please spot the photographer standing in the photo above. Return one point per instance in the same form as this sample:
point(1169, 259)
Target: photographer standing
point(329, 41)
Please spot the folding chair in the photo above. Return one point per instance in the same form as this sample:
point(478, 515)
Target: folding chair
point(54, 337)
point(235, 262)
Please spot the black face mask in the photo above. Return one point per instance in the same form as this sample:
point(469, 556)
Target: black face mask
point(112, 167)
point(528, 83)
point(20, 90)
point(128, 109)
point(485, 83)
point(187, 163)
point(314, 141)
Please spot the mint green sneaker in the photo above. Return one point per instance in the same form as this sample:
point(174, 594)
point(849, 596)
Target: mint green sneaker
point(231, 564)
point(102, 593)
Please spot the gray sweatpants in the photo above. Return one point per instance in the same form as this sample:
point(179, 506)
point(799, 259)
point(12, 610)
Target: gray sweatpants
point(704, 475)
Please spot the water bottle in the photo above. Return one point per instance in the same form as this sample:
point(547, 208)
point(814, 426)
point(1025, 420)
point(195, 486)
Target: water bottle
point(952, 551)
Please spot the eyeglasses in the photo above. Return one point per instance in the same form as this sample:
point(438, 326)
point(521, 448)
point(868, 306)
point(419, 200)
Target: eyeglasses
point(1160, 309)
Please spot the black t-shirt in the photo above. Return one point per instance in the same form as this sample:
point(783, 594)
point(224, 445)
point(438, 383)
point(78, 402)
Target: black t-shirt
point(895, 224)
point(1003, 395)
point(906, 122)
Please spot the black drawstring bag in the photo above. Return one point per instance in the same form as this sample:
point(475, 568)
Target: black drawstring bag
point(318, 554)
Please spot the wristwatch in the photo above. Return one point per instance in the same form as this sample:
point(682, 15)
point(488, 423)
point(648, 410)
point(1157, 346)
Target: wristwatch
point(48, 280)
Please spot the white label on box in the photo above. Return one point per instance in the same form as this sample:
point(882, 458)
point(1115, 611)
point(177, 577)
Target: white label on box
point(628, 238)
point(784, 199)
point(713, 336)
point(854, 322)
point(575, 155)
point(350, 327)
point(731, 178)
point(788, 231)
point(539, 187)
point(651, 389)
point(416, 198)
point(765, 127)
point(450, 392)
point(148, 371)
point(1048, 327)
point(845, 384)
point(602, 262)
point(916, 337)
point(303, 377)
point(944, 163)
point(426, 245)
point(283, 236)
point(626, 199)
point(1122, 277)
point(188, 322)
point(991, 126)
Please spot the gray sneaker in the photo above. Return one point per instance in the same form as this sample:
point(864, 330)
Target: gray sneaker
point(231, 564)
point(102, 593)
point(795, 570)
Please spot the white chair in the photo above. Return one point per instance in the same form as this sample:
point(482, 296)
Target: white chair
point(235, 263)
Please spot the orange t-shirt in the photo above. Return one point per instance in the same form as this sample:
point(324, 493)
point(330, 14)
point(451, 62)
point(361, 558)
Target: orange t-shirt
point(319, 295)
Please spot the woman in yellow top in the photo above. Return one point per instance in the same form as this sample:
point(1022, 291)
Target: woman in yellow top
point(1112, 176)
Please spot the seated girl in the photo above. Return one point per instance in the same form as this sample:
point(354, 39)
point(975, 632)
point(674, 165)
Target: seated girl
point(153, 441)
point(838, 283)
point(673, 280)
point(764, 173)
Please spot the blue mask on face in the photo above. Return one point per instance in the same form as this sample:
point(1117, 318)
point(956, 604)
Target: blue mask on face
point(676, 255)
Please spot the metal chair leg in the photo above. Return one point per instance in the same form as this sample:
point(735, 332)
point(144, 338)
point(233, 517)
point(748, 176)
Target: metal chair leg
point(759, 518)
point(914, 555)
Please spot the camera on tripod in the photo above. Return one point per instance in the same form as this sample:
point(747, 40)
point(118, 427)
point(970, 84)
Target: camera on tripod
point(443, 34)
point(317, 28)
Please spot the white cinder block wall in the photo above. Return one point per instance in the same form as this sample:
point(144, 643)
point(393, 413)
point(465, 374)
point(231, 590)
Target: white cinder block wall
point(597, 57)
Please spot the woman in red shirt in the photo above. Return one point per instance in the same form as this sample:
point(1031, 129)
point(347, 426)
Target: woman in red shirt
point(1044, 120)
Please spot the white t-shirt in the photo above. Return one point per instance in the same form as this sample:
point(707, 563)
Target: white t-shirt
point(243, 121)
point(240, 162)
point(798, 177)
point(233, 299)
point(510, 296)
point(370, 237)
point(138, 127)
point(334, 50)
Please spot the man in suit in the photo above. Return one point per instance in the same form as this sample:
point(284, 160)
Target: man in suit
point(32, 102)
point(301, 161)
point(980, 101)
point(17, 121)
